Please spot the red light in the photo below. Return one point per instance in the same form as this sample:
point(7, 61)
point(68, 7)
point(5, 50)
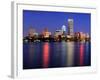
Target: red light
point(81, 54)
point(45, 55)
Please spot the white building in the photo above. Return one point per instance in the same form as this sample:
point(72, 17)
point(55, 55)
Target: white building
point(70, 27)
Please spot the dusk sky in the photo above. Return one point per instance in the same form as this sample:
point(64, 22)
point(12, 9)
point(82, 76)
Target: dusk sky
point(54, 21)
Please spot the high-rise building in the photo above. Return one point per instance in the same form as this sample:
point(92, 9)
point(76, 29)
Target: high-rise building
point(70, 27)
point(64, 29)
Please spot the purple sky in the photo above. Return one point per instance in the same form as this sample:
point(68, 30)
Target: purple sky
point(54, 21)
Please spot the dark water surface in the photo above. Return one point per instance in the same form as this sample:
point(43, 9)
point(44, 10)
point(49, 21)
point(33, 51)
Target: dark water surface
point(56, 54)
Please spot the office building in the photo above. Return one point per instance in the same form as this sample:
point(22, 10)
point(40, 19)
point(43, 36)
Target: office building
point(70, 27)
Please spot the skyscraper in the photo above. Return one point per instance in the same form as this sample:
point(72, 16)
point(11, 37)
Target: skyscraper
point(70, 27)
point(64, 29)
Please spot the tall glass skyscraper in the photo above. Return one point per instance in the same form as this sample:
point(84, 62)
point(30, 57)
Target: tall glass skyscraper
point(70, 27)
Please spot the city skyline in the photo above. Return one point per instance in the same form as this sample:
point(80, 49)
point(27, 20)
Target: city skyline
point(56, 39)
point(39, 20)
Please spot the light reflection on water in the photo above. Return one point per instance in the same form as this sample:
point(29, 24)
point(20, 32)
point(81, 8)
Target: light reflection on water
point(81, 53)
point(45, 54)
point(70, 53)
point(56, 54)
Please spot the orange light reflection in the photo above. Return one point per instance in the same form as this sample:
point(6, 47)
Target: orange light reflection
point(45, 55)
point(81, 54)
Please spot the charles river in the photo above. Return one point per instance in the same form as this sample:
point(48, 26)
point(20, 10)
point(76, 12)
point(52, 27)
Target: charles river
point(56, 54)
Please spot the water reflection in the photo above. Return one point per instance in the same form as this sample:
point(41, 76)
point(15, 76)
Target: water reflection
point(87, 55)
point(81, 54)
point(70, 53)
point(56, 54)
point(31, 52)
point(45, 54)
point(63, 54)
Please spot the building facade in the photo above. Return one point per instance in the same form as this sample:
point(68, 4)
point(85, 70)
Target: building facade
point(70, 27)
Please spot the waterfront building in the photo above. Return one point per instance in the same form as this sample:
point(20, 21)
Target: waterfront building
point(70, 27)
point(58, 32)
point(57, 35)
point(80, 36)
point(31, 33)
point(64, 29)
point(87, 37)
point(46, 33)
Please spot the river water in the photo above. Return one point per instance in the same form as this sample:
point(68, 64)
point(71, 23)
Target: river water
point(56, 54)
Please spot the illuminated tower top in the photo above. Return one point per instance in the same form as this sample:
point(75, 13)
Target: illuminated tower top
point(63, 28)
